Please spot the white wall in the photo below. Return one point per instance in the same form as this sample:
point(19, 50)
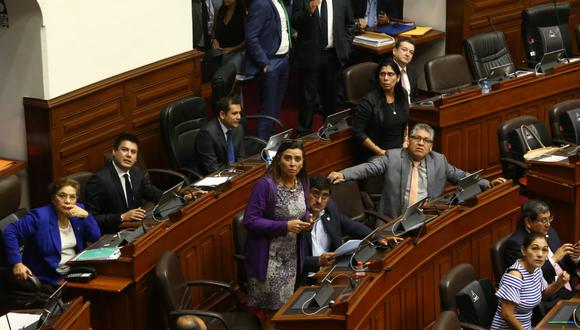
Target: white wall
point(87, 41)
point(426, 13)
point(20, 75)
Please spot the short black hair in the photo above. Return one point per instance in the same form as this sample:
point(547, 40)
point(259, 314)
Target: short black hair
point(532, 208)
point(405, 39)
point(223, 104)
point(320, 182)
point(125, 137)
point(532, 237)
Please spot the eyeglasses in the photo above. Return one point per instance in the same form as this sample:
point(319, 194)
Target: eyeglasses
point(317, 194)
point(417, 138)
point(64, 196)
point(546, 221)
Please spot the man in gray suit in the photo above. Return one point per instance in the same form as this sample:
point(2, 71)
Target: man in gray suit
point(397, 167)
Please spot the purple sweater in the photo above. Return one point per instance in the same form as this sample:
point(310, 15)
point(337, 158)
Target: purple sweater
point(261, 228)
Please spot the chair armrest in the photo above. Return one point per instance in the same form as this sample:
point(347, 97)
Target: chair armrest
point(169, 173)
point(381, 216)
point(218, 284)
point(471, 326)
point(239, 257)
point(275, 120)
point(518, 163)
point(174, 315)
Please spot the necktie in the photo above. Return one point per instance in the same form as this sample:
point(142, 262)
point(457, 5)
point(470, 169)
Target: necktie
point(205, 17)
point(230, 147)
point(129, 192)
point(405, 83)
point(323, 25)
point(414, 186)
point(559, 271)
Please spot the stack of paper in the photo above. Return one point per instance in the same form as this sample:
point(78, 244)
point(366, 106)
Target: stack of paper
point(374, 39)
point(417, 31)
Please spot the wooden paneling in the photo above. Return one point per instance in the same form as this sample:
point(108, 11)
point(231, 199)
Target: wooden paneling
point(68, 133)
point(470, 17)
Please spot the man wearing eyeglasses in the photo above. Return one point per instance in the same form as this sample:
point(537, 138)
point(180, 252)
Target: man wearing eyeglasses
point(536, 218)
point(329, 226)
point(410, 174)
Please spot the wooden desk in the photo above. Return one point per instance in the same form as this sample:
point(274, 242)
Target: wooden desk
point(10, 166)
point(202, 238)
point(544, 325)
point(405, 293)
point(428, 37)
point(76, 317)
point(559, 185)
point(466, 123)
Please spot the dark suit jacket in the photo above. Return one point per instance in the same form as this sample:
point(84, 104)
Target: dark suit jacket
point(335, 225)
point(413, 79)
point(263, 35)
point(105, 198)
point(386, 6)
point(307, 46)
point(210, 147)
point(513, 252)
point(38, 231)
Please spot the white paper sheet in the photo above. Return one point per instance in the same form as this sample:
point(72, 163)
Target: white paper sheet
point(211, 181)
point(348, 247)
point(18, 320)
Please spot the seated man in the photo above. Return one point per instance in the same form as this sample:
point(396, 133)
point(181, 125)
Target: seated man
point(410, 174)
point(220, 141)
point(115, 193)
point(329, 228)
point(536, 218)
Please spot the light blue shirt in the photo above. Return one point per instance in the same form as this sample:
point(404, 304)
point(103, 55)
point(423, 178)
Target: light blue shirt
point(371, 14)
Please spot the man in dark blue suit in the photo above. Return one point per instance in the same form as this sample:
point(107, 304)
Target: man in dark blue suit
point(329, 228)
point(536, 218)
point(268, 42)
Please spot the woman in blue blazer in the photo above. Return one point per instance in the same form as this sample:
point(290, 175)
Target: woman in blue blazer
point(51, 235)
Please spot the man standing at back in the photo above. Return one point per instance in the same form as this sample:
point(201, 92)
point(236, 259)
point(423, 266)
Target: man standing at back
point(403, 53)
point(220, 141)
point(325, 33)
point(114, 194)
point(268, 45)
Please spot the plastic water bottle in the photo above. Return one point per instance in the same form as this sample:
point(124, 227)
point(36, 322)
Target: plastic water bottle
point(359, 273)
point(485, 88)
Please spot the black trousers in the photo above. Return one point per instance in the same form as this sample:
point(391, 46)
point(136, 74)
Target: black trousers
point(319, 86)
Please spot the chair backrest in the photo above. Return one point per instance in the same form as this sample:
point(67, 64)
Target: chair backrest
point(359, 79)
point(171, 283)
point(82, 178)
point(456, 279)
point(545, 29)
point(447, 320)
point(497, 251)
point(4, 222)
point(578, 36)
point(562, 127)
point(223, 83)
point(485, 51)
point(447, 73)
point(180, 124)
point(240, 234)
point(348, 200)
point(9, 195)
point(477, 302)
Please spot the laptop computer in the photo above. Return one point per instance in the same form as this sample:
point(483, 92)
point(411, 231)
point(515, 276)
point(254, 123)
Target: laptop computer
point(334, 123)
point(169, 202)
point(274, 142)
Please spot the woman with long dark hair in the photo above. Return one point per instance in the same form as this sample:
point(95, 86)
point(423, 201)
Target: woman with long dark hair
point(380, 120)
point(229, 30)
point(275, 216)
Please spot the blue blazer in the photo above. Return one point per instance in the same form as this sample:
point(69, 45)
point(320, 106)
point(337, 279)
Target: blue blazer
point(263, 35)
point(38, 232)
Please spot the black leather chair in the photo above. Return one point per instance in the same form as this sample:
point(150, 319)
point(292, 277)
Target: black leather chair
point(447, 320)
point(359, 79)
point(561, 132)
point(578, 36)
point(10, 191)
point(537, 21)
point(240, 234)
point(82, 178)
point(356, 204)
point(510, 153)
point(485, 51)
point(447, 74)
point(498, 265)
point(180, 123)
point(224, 83)
point(176, 294)
point(460, 283)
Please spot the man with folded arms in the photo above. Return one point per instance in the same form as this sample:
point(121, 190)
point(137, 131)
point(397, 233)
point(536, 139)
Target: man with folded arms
point(410, 174)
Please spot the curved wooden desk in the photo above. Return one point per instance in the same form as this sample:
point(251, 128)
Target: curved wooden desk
point(405, 293)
